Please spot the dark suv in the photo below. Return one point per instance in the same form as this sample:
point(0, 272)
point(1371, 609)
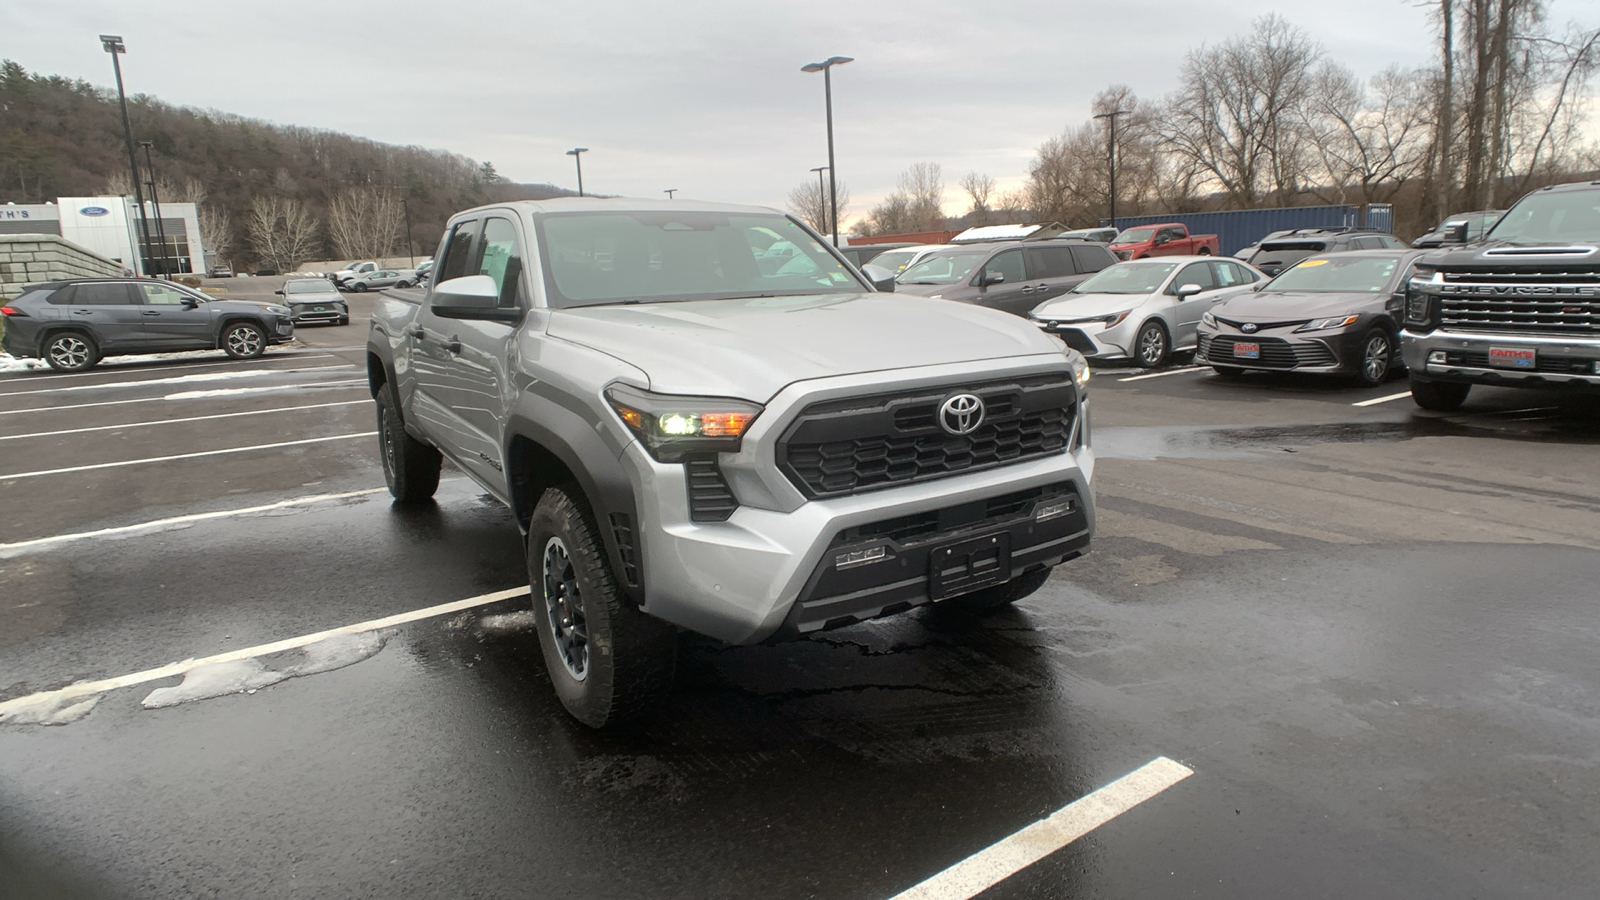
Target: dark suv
point(72, 324)
point(1277, 254)
point(1013, 276)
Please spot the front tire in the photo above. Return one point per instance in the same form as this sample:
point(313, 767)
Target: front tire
point(1439, 396)
point(71, 351)
point(1230, 374)
point(359, 288)
point(244, 340)
point(609, 663)
point(1377, 358)
point(1151, 347)
point(410, 467)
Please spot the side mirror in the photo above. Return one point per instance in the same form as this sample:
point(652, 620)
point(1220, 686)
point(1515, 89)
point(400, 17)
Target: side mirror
point(1455, 232)
point(1161, 239)
point(192, 303)
point(471, 297)
point(882, 279)
point(991, 278)
point(1189, 290)
point(279, 292)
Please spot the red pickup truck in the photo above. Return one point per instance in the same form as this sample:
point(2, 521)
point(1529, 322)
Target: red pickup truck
point(1169, 239)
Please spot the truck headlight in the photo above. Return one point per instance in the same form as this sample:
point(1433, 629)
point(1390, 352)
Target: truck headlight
point(670, 426)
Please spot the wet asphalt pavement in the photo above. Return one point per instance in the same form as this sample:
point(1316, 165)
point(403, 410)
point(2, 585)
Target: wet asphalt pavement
point(1369, 631)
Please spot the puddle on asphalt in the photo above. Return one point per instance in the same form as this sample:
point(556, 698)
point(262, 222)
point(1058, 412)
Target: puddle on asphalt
point(1541, 424)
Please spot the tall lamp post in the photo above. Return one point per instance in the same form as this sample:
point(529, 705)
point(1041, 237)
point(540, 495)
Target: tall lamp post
point(669, 192)
point(1111, 154)
point(575, 153)
point(822, 196)
point(826, 68)
point(114, 46)
point(411, 245)
point(161, 229)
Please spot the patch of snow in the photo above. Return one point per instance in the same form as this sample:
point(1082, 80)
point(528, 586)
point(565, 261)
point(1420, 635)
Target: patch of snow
point(507, 623)
point(246, 676)
point(9, 363)
point(51, 709)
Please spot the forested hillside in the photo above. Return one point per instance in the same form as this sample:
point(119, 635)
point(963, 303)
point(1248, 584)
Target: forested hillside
point(61, 138)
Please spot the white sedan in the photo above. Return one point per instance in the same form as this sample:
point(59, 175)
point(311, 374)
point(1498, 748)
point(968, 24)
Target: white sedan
point(1143, 310)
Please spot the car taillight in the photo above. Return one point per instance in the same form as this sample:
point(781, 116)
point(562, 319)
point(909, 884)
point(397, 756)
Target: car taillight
point(12, 311)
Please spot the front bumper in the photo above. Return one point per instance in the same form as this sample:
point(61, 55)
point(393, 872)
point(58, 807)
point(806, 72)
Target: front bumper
point(1464, 357)
point(1093, 339)
point(282, 330)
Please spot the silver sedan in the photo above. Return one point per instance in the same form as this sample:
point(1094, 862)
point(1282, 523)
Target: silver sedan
point(381, 279)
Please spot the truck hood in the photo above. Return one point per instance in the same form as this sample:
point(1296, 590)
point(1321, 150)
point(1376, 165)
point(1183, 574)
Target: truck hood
point(1577, 254)
point(754, 348)
point(1088, 306)
point(1289, 305)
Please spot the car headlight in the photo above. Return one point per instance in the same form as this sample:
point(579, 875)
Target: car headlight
point(1080, 370)
point(1208, 320)
point(1116, 319)
point(670, 426)
point(1324, 324)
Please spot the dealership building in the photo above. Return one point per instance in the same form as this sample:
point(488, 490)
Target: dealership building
point(110, 227)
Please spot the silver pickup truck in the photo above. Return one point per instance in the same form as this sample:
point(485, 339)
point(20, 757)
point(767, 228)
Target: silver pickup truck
point(696, 433)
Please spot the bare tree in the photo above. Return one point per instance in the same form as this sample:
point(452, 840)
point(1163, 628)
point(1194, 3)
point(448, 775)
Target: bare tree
point(923, 186)
point(365, 222)
point(216, 230)
point(1236, 115)
point(1070, 179)
point(281, 231)
point(1367, 140)
point(118, 184)
point(979, 188)
point(809, 201)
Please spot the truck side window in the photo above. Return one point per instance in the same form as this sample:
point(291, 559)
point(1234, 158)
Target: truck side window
point(458, 259)
point(500, 258)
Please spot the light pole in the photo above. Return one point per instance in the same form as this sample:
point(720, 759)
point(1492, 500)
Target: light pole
point(822, 195)
point(826, 68)
point(577, 158)
point(669, 192)
point(161, 229)
point(114, 46)
point(1111, 153)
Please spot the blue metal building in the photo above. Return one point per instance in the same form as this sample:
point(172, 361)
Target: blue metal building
point(1239, 228)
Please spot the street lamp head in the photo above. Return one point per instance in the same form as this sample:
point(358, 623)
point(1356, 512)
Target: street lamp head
point(112, 43)
point(576, 150)
point(820, 169)
point(830, 61)
point(147, 144)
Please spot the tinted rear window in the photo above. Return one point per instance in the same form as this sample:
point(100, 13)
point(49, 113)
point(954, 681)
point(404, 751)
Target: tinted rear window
point(1049, 262)
point(101, 294)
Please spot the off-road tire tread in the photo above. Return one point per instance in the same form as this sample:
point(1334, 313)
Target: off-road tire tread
point(416, 465)
point(632, 656)
point(1439, 396)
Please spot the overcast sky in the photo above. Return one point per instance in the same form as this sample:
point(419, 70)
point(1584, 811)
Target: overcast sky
point(705, 96)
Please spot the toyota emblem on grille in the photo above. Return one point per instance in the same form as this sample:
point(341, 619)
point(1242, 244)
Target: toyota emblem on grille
point(961, 414)
point(1249, 327)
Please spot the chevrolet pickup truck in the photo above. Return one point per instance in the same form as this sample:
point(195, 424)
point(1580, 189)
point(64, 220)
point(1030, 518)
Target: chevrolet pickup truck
point(1169, 239)
point(689, 440)
point(1521, 308)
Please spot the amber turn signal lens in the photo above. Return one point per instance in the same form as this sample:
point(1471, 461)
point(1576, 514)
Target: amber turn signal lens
point(724, 424)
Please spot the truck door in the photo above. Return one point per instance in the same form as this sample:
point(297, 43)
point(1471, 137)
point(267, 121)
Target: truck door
point(430, 345)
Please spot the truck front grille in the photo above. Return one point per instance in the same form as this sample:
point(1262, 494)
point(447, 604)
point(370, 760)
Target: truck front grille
point(841, 447)
point(1555, 300)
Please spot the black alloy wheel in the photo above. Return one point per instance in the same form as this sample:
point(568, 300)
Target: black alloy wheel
point(244, 340)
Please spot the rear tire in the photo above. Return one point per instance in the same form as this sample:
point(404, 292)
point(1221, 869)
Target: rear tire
point(1439, 396)
point(410, 467)
point(70, 351)
point(244, 340)
point(991, 598)
point(609, 663)
point(1203, 251)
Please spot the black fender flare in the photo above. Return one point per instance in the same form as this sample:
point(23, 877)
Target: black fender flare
point(576, 443)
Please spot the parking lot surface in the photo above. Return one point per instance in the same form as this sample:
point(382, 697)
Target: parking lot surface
point(1367, 631)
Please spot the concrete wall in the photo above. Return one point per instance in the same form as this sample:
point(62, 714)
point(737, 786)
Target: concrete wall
point(32, 258)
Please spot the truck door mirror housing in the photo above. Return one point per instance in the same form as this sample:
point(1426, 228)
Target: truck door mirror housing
point(1161, 239)
point(882, 279)
point(471, 297)
point(1455, 232)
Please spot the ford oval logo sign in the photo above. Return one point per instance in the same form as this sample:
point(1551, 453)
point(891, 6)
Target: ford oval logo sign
point(94, 211)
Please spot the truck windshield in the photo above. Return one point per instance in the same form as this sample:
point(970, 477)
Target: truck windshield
point(1135, 236)
point(1127, 278)
point(1551, 217)
point(1337, 274)
point(943, 268)
point(596, 258)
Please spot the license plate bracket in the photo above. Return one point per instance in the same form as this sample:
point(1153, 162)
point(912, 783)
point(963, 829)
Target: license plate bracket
point(965, 566)
point(1513, 358)
point(1246, 351)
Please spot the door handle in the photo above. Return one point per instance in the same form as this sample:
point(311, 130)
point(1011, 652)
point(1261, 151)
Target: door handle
point(83, 312)
point(416, 331)
point(152, 312)
point(1027, 289)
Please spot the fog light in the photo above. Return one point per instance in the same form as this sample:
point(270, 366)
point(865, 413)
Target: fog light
point(1438, 356)
point(1597, 367)
point(1054, 510)
point(855, 558)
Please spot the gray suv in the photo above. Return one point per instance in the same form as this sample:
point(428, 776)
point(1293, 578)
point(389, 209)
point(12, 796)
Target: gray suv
point(73, 324)
point(690, 438)
point(1012, 277)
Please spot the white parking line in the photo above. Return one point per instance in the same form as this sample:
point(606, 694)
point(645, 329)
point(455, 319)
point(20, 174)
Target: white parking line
point(179, 379)
point(253, 412)
point(14, 476)
point(1376, 401)
point(89, 688)
point(187, 395)
point(1179, 371)
point(19, 547)
point(144, 365)
point(989, 867)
